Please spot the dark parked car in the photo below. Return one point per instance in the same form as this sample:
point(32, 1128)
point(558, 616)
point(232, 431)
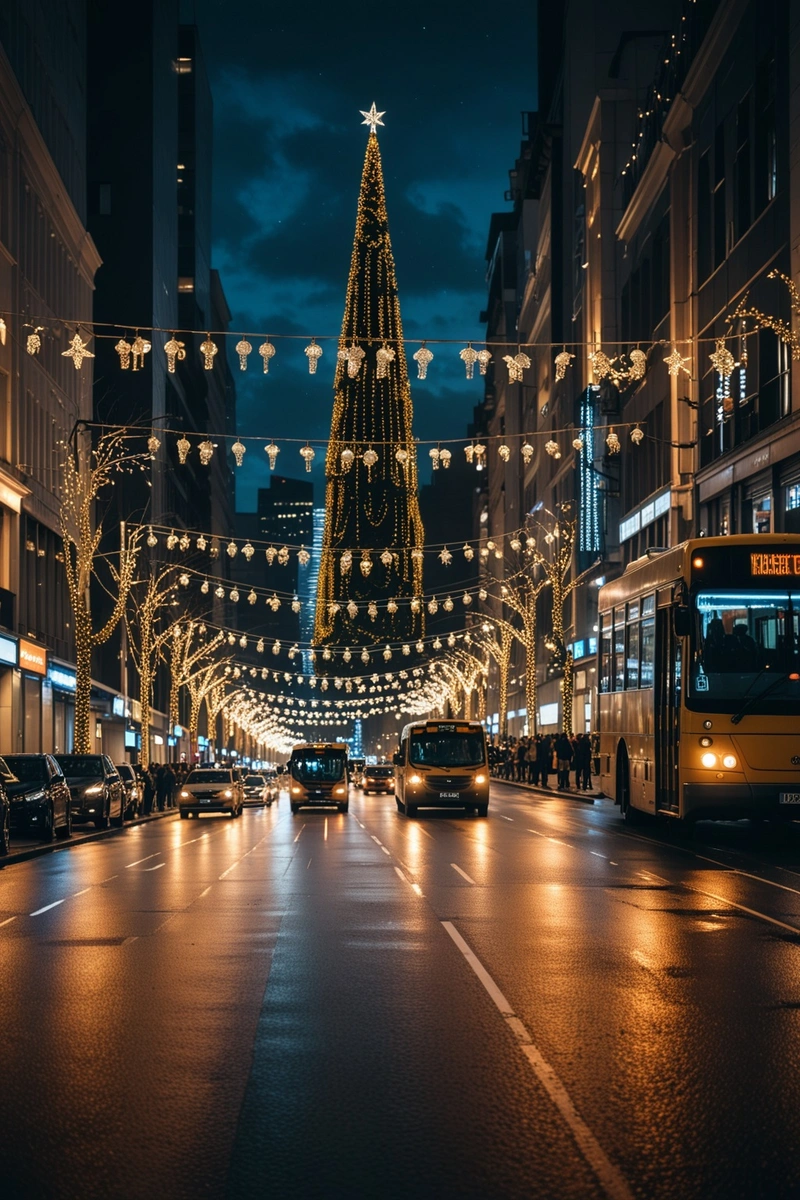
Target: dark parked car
point(98, 793)
point(39, 797)
point(134, 794)
point(5, 808)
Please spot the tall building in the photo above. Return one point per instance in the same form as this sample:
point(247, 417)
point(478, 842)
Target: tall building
point(371, 467)
point(47, 270)
point(307, 589)
point(286, 518)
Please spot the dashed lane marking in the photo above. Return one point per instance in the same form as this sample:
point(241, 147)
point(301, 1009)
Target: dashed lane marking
point(302, 827)
point(7, 921)
point(157, 867)
point(609, 1176)
point(205, 893)
point(463, 874)
point(414, 886)
point(46, 908)
point(140, 860)
point(597, 854)
point(325, 834)
point(742, 908)
point(83, 892)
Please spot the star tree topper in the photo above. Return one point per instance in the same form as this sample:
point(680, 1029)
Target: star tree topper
point(373, 117)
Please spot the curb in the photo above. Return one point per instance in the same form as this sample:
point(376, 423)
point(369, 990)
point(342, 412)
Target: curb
point(581, 797)
point(19, 856)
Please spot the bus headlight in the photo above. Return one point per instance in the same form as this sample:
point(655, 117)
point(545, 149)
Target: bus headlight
point(228, 794)
point(415, 779)
point(340, 791)
point(295, 791)
point(708, 760)
point(184, 794)
point(729, 761)
point(480, 779)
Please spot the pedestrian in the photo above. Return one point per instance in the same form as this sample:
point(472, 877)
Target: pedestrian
point(564, 758)
point(149, 790)
point(543, 753)
point(162, 786)
point(171, 785)
point(531, 761)
point(583, 763)
point(522, 750)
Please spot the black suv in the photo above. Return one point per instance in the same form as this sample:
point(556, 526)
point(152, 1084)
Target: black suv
point(98, 793)
point(38, 795)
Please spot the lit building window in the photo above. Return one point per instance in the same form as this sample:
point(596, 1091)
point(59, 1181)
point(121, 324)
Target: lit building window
point(183, 66)
point(185, 283)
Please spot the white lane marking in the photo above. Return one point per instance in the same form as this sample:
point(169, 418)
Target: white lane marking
point(610, 1177)
point(742, 908)
point(611, 863)
point(385, 851)
point(46, 908)
point(7, 921)
point(325, 835)
point(375, 840)
point(83, 893)
point(464, 874)
point(302, 827)
point(597, 854)
point(205, 893)
point(157, 867)
point(414, 886)
point(140, 860)
point(244, 856)
point(402, 875)
point(109, 879)
point(127, 941)
point(502, 818)
point(758, 878)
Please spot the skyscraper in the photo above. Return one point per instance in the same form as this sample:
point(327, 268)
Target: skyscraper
point(371, 496)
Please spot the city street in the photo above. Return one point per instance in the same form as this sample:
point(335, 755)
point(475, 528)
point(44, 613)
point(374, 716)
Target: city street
point(542, 1004)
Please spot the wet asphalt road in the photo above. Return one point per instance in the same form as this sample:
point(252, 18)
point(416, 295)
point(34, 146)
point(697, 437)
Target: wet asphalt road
point(541, 1004)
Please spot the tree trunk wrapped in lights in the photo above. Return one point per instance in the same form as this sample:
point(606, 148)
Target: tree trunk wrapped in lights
point(371, 499)
point(184, 658)
point(86, 475)
point(147, 641)
point(201, 684)
point(521, 594)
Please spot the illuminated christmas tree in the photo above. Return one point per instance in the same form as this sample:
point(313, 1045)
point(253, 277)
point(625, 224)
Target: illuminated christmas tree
point(372, 521)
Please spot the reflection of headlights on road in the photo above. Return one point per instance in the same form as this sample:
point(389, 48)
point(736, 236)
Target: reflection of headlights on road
point(415, 779)
point(95, 790)
point(480, 779)
point(185, 795)
point(295, 791)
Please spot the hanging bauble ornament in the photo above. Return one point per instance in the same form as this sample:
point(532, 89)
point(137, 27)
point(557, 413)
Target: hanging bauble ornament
point(352, 609)
point(423, 358)
point(313, 353)
point(484, 551)
point(252, 597)
point(365, 655)
point(77, 351)
point(296, 605)
point(204, 586)
point(243, 348)
point(372, 610)
point(391, 607)
point(638, 367)
point(406, 649)
point(401, 456)
point(577, 444)
point(201, 542)
point(517, 365)
point(353, 356)
point(153, 445)
point(308, 455)
point(123, 349)
point(445, 557)
point(484, 358)
point(345, 562)
point(451, 640)
point(447, 605)
point(274, 602)
point(416, 604)
point(248, 551)
point(723, 363)
point(437, 643)
point(417, 555)
point(515, 544)
point(219, 592)
point(175, 352)
point(420, 647)
point(303, 557)
point(232, 549)
point(552, 449)
point(504, 452)
point(347, 456)
point(267, 351)
point(152, 540)
point(562, 361)
point(185, 542)
point(365, 564)
point(260, 646)
point(172, 540)
point(183, 448)
point(213, 549)
point(369, 460)
point(276, 649)
point(526, 450)
point(434, 454)
point(243, 641)
point(490, 545)
point(468, 551)
point(482, 594)
point(613, 443)
point(270, 554)
point(235, 595)
point(387, 558)
point(283, 556)
point(33, 343)
point(272, 454)
point(469, 357)
point(206, 451)
point(469, 452)
point(433, 605)
point(637, 435)
point(347, 654)
point(387, 654)
point(238, 450)
point(466, 599)
point(385, 356)
point(444, 458)
point(333, 609)
point(209, 352)
point(601, 364)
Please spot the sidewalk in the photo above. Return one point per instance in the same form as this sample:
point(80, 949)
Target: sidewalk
point(572, 794)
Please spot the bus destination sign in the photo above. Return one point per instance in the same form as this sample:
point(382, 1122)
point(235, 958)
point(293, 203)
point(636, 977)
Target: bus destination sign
point(775, 565)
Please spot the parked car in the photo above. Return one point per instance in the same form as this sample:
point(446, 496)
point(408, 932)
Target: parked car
point(134, 797)
point(378, 779)
point(255, 789)
point(6, 776)
point(98, 793)
point(39, 797)
point(211, 790)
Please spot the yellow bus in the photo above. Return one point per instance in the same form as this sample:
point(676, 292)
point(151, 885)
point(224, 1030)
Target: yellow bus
point(699, 680)
point(318, 775)
point(442, 764)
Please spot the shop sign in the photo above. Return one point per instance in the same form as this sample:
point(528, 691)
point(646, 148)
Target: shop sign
point(61, 678)
point(8, 651)
point(32, 657)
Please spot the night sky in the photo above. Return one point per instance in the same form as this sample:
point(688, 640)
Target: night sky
point(287, 86)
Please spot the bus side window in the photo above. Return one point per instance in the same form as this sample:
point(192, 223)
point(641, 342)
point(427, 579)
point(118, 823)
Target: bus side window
point(619, 650)
point(647, 652)
point(632, 662)
point(605, 653)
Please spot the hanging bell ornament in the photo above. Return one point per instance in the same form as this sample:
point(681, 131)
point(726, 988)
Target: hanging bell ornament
point(267, 351)
point(313, 353)
point(238, 450)
point(308, 455)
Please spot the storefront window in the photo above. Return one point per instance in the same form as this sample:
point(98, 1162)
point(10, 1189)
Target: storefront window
point(762, 514)
point(32, 714)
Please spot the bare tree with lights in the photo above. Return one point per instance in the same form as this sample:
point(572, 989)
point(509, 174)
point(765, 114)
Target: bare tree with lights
point(148, 636)
point(201, 683)
point(186, 659)
point(87, 473)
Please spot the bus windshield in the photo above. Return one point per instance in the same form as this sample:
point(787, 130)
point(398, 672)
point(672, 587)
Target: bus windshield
point(318, 766)
point(745, 644)
point(446, 748)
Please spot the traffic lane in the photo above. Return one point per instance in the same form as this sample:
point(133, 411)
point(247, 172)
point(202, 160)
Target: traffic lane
point(381, 1066)
point(126, 1056)
point(625, 978)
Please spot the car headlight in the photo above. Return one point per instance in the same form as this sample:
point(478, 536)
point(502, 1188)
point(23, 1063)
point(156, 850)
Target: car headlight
point(185, 795)
point(480, 779)
point(35, 797)
point(340, 791)
point(415, 779)
point(228, 794)
point(295, 791)
point(95, 790)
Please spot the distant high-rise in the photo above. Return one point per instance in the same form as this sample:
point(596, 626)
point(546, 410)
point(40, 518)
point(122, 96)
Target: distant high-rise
point(307, 588)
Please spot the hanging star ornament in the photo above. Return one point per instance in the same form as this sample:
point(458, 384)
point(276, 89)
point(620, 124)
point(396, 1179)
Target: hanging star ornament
point(77, 351)
point(372, 118)
point(677, 363)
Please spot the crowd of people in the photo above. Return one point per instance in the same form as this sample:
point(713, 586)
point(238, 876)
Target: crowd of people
point(160, 784)
point(536, 758)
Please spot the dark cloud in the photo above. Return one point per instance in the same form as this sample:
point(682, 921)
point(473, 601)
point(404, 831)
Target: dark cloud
point(288, 153)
